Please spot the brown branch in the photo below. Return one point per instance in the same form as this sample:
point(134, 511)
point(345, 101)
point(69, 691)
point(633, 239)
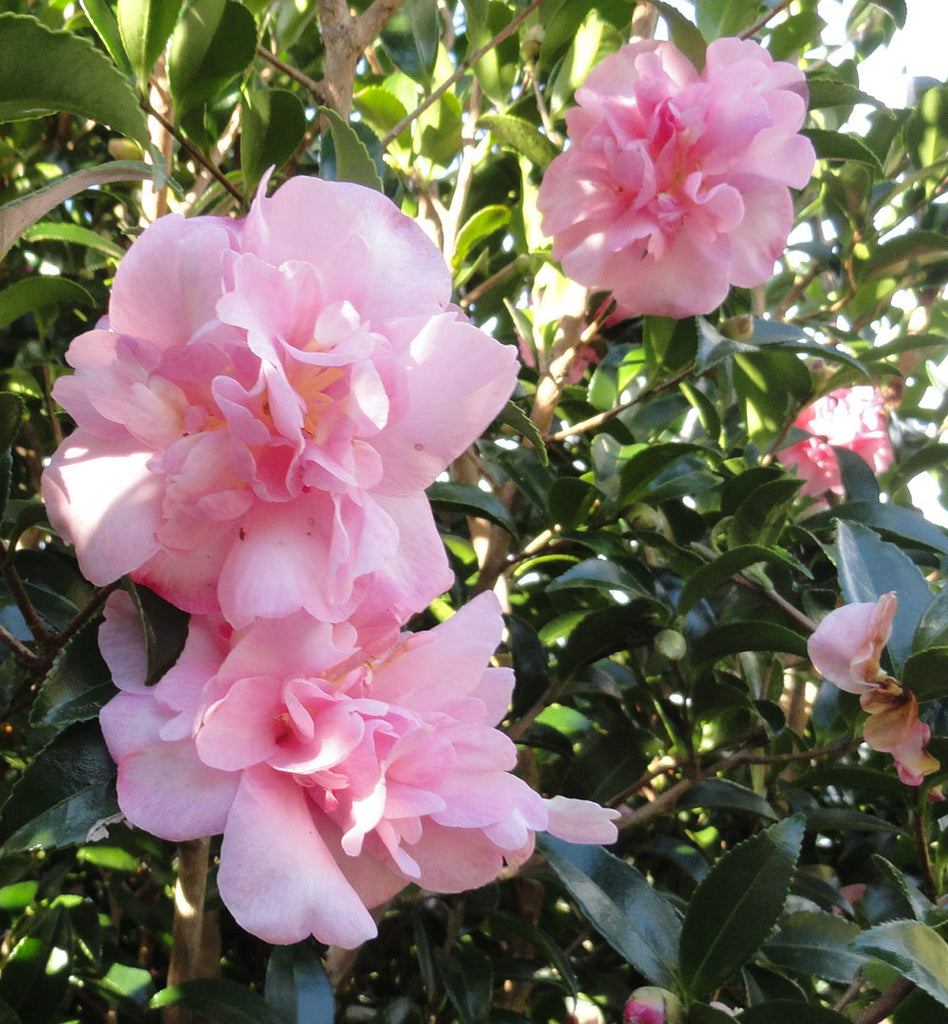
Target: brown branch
point(765, 18)
point(462, 70)
point(886, 1003)
point(31, 617)
point(372, 20)
point(188, 929)
point(85, 614)
point(316, 89)
point(774, 598)
point(336, 29)
point(194, 152)
point(495, 279)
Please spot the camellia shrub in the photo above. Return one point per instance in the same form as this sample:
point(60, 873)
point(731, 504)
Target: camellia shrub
point(470, 502)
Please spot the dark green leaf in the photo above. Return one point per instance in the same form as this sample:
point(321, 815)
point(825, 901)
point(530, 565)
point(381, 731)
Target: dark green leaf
point(472, 501)
point(35, 971)
point(213, 42)
point(736, 905)
point(629, 913)
point(644, 462)
point(727, 795)
point(272, 124)
point(683, 33)
point(868, 568)
point(224, 1002)
point(33, 294)
point(713, 575)
point(468, 978)
point(817, 945)
point(702, 1013)
point(914, 950)
point(521, 136)
point(76, 687)
point(11, 416)
point(603, 632)
point(735, 637)
point(842, 819)
point(44, 72)
point(776, 1011)
point(62, 794)
point(837, 146)
point(516, 418)
point(921, 906)
point(297, 986)
point(353, 162)
point(908, 252)
point(933, 625)
point(165, 629)
point(925, 673)
point(145, 27)
point(599, 574)
point(410, 38)
point(903, 523)
point(761, 516)
point(857, 477)
point(826, 92)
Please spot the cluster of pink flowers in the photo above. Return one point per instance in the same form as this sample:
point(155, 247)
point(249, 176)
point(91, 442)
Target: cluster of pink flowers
point(257, 419)
point(846, 648)
point(675, 185)
point(851, 418)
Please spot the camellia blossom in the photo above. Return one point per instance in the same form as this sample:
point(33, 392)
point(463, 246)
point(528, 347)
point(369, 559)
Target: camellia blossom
point(675, 185)
point(337, 771)
point(846, 648)
point(652, 1005)
point(852, 418)
point(260, 412)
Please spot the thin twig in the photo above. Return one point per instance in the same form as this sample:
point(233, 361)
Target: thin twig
point(495, 279)
point(886, 1003)
point(85, 614)
point(194, 152)
point(774, 598)
point(31, 617)
point(462, 70)
point(316, 89)
point(21, 652)
point(764, 18)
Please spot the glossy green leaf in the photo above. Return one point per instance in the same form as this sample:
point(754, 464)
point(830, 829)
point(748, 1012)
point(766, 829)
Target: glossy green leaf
point(476, 228)
point(817, 945)
point(410, 38)
point(74, 234)
point(870, 567)
point(213, 42)
point(272, 125)
point(925, 673)
point(914, 949)
point(932, 628)
point(472, 501)
point(36, 970)
point(145, 27)
point(297, 986)
point(735, 637)
point(165, 629)
point(599, 574)
point(628, 912)
point(736, 905)
point(496, 70)
point(643, 462)
point(62, 794)
point(904, 524)
point(837, 146)
point(921, 906)
point(353, 162)
point(796, 34)
point(592, 40)
point(683, 33)
point(771, 385)
point(826, 92)
point(515, 417)
point(760, 518)
point(670, 344)
point(715, 574)
point(17, 215)
point(702, 1013)
point(103, 20)
point(604, 632)
point(521, 136)
point(35, 294)
point(468, 978)
point(223, 1001)
point(727, 795)
point(776, 1011)
point(382, 110)
point(77, 685)
point(717, 18)
point(44, 72)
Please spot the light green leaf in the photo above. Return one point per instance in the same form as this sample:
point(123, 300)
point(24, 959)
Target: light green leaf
point(74, 234)
point(683, 33)
point(837, 146)
point(718, 18)
point(521, 136)
point(273, 123)
point(914, 950)
point(145, 27)
point(44, 72)
point(213, 42)
point(102, 19)
point(481, 225)
point(353, 162)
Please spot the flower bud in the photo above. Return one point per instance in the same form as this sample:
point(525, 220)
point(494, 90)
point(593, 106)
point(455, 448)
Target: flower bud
point(738, 328)
point(532, 41)
point(671, 644)
point(124, 149)
point(651, 1005)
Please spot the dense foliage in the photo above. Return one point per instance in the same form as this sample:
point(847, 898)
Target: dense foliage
point(661, 568)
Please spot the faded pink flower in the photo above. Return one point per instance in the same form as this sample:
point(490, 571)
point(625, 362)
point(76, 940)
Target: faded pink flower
point(853, 418)
point(338, 771)
point(675, 183)
point(846, 648)
point(262, 408)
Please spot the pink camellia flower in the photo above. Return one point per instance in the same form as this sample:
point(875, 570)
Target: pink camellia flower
point(846, 648)
point(260, 412)
point(853, 418)
point(675, 183)
point(338, 771)
point(651, 1005)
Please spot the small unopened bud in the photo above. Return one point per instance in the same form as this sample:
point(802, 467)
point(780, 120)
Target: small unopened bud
point(671, 644)
point(651, 1005)
point(124, 149)
point(532, 41)
point(643, 517)
point(738, 328)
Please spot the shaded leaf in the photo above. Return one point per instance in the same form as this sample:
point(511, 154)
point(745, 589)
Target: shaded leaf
point(724, 567)
point(297, 986)
point(472, 501)
point(468, 978)
point(916, 951)
point(33, 294)
point(817, 945)
point(727, 795)
point(837, 146)
point(353, 162)
point(74, 234)
point(735, 637)
point(165, 628)
point(790, 1010)
point(77, 685)
point(272, 125)
point(224, 1002)
point(145, 27)
point(634, 919)
point(736, 905)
